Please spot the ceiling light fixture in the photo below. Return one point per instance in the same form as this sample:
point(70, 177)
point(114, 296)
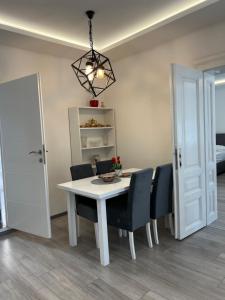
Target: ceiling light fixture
point(93, 70)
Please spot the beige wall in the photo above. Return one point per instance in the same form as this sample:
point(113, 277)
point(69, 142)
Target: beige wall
point(141, 95)
point(60, 90)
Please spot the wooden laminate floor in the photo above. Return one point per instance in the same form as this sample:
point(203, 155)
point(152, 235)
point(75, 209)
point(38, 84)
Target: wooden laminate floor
point(35, 268)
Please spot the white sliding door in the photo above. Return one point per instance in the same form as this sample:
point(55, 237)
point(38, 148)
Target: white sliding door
point(210, 141)
point(23, 156)
point(189, 153)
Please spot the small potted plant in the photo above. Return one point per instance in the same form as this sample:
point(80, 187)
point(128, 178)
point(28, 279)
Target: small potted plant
point(116, 165)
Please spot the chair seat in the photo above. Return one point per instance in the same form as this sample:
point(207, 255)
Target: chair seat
point(87, 208)
point(117, 212)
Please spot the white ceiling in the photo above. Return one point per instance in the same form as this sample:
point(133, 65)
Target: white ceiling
point(207, 16)
point(116, 22)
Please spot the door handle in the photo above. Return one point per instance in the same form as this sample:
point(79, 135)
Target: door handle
point(44, 154)
point(176, 159)
point(180, 158)
point(39, 152)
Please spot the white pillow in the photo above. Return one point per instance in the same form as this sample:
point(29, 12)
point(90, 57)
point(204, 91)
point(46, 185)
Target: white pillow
point(220, 148)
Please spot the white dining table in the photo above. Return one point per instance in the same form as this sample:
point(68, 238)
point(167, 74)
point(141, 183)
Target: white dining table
point(99, 192)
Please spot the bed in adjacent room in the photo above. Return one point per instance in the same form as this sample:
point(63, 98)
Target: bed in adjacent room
point(220, 153)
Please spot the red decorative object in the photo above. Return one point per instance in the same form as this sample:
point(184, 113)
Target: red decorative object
point(116, 163)
point(113, 160)
point(94, 103)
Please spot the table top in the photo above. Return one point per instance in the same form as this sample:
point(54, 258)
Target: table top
point(85, 187)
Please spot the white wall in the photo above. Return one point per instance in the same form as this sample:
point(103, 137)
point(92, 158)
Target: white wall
point(141, 95)
point(60, 90)
point(220, 109)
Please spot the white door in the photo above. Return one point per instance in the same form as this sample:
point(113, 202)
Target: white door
point(189, 154)
point(210, 141)
point(23, 156)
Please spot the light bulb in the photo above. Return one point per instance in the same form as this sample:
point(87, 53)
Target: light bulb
point(89, 70)
point(91, 76)
point(100, 72)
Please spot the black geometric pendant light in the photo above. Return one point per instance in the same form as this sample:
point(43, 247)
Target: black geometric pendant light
point(93, 69)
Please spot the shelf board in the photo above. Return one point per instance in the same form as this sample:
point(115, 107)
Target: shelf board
point(99, 147)
point(95, 128)
point(95, 108)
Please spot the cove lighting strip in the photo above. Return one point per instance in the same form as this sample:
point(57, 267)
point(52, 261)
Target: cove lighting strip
point(220, 81)
point(163, 20)
point(14, 26)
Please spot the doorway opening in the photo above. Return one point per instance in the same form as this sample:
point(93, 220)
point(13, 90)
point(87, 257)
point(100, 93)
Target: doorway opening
point(219, 74)
point(2, 199)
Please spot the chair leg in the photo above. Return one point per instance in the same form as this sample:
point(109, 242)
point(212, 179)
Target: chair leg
point(132, 248)
point(78, 225)
point(155, 230)
point(149, 236)
point(96, 235)
point(171, 224)
point(166, 222)
point(120, 233)
point(124, 233)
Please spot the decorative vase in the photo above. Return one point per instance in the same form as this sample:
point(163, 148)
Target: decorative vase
point(94, 103)
point(118, 172)
point(84, 141)
point(105, 140)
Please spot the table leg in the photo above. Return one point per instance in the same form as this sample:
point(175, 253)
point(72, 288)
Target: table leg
point(103, 232)
point(71, 211)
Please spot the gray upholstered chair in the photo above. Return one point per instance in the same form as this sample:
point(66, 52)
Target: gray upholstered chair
point(131, 210)
point(81, 171)
point(104, 166)
point(161, 197)
point(86, 207)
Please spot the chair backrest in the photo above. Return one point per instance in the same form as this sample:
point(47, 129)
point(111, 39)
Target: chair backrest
point(161, 198)
point(139, 197)
point(81, 171)
point(104, 166)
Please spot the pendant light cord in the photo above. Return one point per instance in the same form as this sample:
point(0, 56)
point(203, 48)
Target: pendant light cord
point(90, 34)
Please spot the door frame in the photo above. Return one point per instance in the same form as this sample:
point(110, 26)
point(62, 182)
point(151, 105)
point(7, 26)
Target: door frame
point(207, 64)
point(210, 147)
point(42, 121)
point(174, 156)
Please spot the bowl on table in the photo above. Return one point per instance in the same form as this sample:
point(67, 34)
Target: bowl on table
point(108, 177)
point(126, 174)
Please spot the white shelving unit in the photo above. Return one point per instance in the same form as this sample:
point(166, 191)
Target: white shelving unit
point(96, 128)
point(100, 141)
